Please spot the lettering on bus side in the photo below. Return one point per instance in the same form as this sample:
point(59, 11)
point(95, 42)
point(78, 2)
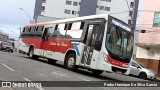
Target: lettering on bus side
point(58, 44)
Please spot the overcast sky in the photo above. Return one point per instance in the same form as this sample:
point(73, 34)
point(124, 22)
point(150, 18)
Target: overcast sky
point(12, 18)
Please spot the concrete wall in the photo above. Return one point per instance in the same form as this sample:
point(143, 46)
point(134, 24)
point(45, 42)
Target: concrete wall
point(152, 53)
point(151, 38)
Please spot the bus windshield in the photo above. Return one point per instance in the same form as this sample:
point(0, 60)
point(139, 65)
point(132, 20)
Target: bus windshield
point(120, 44)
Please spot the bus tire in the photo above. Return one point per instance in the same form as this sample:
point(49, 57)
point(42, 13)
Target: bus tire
point(97, 72)
point(31, 54)
point(70, 62)
point(52, 61)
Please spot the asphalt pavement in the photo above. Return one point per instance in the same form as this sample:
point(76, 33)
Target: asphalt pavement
point(18, 67)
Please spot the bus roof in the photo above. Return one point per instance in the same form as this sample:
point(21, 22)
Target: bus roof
point(73, 19)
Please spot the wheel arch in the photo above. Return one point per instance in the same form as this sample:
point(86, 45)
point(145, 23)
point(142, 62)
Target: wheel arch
point(68, 52)
point(143, 73)
point(31, 46)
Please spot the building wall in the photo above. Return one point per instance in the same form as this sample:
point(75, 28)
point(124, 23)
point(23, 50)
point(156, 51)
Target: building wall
point(151, 37)
point(118, 8)
point(151, 64)
point(88, 7)
point(148, 9)
point(148, 53)
point(148, 41)
point(56, 8)
point(37, 10)
point(4, 36)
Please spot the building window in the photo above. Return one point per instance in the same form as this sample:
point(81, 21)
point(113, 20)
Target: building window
point(43, 8)
point(67, 11)
point(74, 12)
point(129, 22)
point(69, 2)
point(107, 8)
point(75, 3)
point(101, 7)
point(132, 5)
point(108, 0)
point(156, 21)
point(78, 12)
point(97, 6)
point(43, 1)
point(130, 13)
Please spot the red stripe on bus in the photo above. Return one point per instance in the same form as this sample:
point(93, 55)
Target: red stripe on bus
point(117, 63)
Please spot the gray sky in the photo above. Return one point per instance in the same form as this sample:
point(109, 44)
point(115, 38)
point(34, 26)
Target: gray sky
point(12, 18)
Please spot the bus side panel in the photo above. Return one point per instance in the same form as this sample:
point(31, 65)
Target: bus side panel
point(79, 52)
point(23, 46)
point(57, 48)
point(27, 42)
point(94, 60)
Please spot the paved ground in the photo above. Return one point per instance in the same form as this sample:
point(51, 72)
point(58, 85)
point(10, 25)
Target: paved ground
point(17, 67)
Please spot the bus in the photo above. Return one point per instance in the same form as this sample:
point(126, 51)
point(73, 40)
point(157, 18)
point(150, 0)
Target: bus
point(97, 43)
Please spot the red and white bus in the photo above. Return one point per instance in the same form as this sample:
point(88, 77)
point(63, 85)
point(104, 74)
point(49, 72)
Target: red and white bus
point(98, 43)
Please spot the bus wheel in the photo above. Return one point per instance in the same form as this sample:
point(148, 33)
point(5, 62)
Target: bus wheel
point(31, 55)
point(70, 62)
point(52, 61)
point(97, 72)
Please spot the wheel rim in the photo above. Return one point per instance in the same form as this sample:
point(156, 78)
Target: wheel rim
point(71, 62)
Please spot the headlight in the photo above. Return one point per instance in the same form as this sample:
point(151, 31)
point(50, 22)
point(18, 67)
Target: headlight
point(105, 57)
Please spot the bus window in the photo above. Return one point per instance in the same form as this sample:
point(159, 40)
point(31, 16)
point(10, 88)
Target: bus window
point(46, 30)
point(65, 27)
point(56, 27)
point(33, 29)
point(39, 31)
point(70, 26)
point(99, 39)
point(120, 43)
point(40, 28)
point(61, 31)
point(82, 25)
point(23, 30)
point(97, 36)
point(74, 34)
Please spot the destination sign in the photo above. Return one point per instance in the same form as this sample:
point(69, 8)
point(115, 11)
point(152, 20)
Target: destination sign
point(121, 25)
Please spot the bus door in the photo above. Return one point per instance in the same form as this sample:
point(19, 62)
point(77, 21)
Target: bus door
point(93, 42)
point(45, 38)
